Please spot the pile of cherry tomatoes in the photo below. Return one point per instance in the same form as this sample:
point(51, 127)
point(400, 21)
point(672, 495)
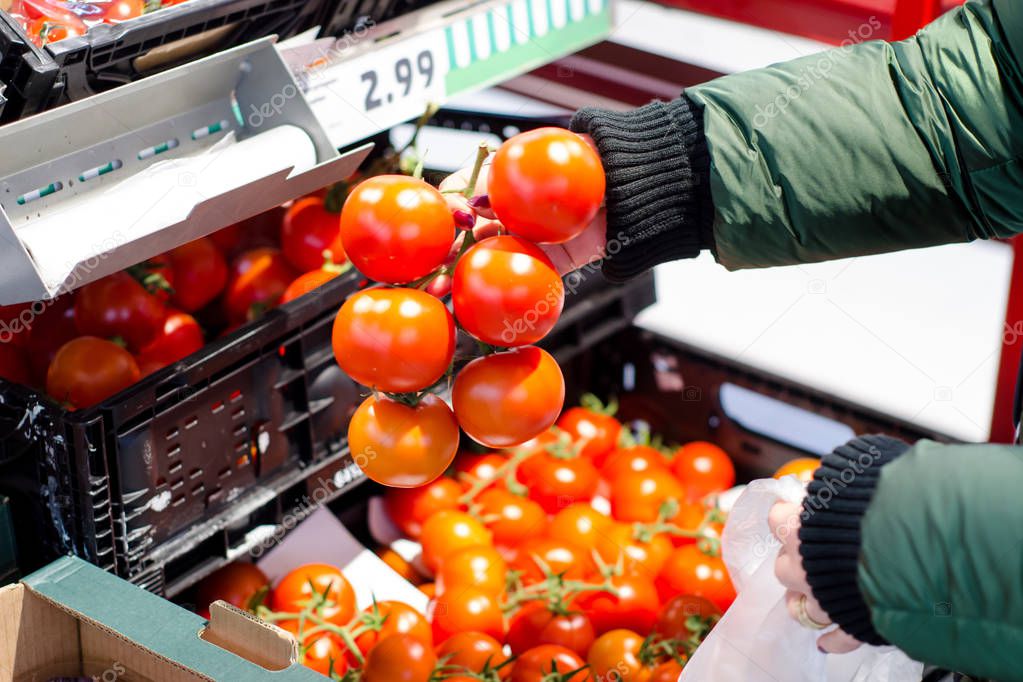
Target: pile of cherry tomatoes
point(89, 344)
point(529, 580)
point(47, 21)
point(399, 339)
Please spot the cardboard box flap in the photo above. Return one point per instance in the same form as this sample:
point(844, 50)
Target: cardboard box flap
point(264, 644)
point(33, 633)
point(152, 623)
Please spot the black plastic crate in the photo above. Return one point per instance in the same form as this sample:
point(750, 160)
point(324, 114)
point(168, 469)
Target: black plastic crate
point(113, 54)
point(340, 17)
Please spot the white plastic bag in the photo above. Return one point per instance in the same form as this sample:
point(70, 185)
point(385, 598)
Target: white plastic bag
point(757, 640)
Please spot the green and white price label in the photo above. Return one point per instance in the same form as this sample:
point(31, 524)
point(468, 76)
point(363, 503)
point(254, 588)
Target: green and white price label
point(366, 84)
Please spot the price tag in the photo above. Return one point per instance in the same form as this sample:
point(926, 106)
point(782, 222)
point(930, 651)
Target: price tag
point(379, 89)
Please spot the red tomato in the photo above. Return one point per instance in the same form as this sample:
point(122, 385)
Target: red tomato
point(559, 556)
point(673, 620)
point(639, 495)
point(505, 399)
point(580, 524)
point(703, 468)
point(689, 517)
point(634, 608)
point(512, 518)
point(448, 531)
point(401, 446)
point(468, 608)
point(181, 336)
point(14, 364)
point(635, 458)
point(116, 11)
point(615, 656)
point(295, 592)
point(801, 467)
point(410, 507)
point(50, 330)
point(506, 292)
point(690, 571)
point(309, 229)
point(200, 274)
point(303, 284)
point(646, 557)
point(480, 566)
point(321, 652)
point(86, 371)
point(396, 340)
point(392, 618)
point(471, 467)
point(669, 671)
point(399, 658)
point(595, 433)
point(238, 583)
point(396, 229)
point(51, 30)
point(556, 482)
point(117, 305)
point(546, 185)
point(535, 624)
point(474, 652)
point(256, 281)
point(550, 662)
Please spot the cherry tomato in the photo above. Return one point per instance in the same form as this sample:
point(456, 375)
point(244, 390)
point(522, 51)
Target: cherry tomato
point(200, 274)
point(410, 507)
point(303, 284)
point(703, 468)
point(471, 467)
point(559, 556)
point(256, 281)
point(546, 185)
point(396, 340)
point(448, 531)
point(87, 370)
point(401, 446)
point(238, 583)
point(117, 305)
point(595, 432)
point(674, 617)
point(400, 658)
point(392, 618)
point(396, 229)
point(480, 566)
point(181, 336)
point(309, 229)
point(295, 592)
point(504, 399)
point(14, 364)
point(468, 608)
point(669, 671)
point(511, 518)
point(321, 652)
point(579, 524)
point(506, 292)
point(635, 607)
point(116, 11)
point(473, 652)
point(556, 482)
point(645, 556)
point(801, 467)
point(691, 571)
point(689, 517)
point(615, 656)
point(45, 31)
point(535, 624)
point(639, 495)
point(636, 458)
point(550, 662)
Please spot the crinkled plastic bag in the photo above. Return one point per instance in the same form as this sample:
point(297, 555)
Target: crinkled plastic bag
point(757, 640)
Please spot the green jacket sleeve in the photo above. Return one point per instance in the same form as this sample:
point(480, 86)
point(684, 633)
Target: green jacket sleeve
point(871, 148)
point(941, 563)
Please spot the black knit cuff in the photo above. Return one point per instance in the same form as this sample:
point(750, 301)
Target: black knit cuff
point(829, 537)
point(658, 199)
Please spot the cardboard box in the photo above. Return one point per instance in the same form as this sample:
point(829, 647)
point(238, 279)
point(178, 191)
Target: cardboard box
point(72, 618)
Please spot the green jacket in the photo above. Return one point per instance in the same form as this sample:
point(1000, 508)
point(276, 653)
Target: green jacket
point(876, 148)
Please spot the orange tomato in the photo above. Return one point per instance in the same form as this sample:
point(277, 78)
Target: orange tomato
point(448, 531)
point(801, 467)
point(703, 468)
